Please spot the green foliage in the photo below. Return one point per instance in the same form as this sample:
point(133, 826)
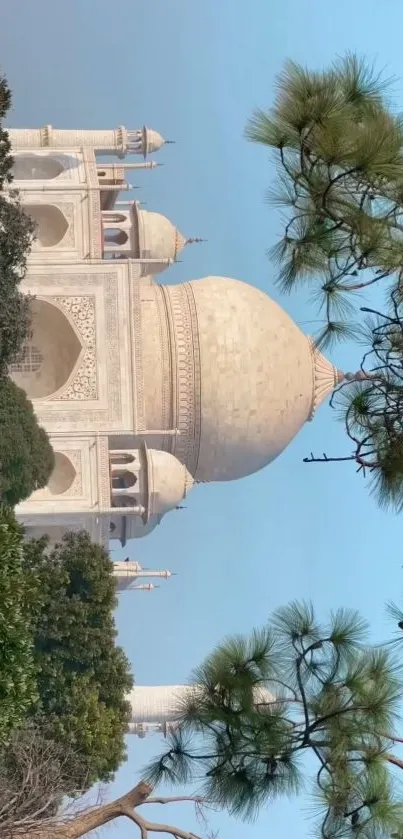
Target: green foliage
point(16, 236)
point(26, 456)
point(82, 675)
point(17, 672)
point(339, 150)
point(261, 706)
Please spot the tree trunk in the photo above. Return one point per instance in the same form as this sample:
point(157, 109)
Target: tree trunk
point(83, 824)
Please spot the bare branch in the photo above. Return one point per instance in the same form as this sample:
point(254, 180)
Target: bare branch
point(154, 827)
point(196, 799)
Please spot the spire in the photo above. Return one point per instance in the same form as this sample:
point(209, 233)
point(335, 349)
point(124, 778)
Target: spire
point(195, 241)
point(170, 142)
point(148, 164)
point(127, 570)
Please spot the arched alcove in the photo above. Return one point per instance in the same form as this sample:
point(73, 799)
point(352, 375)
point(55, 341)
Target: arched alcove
point(51, 224)
point(51, 354)
point(32, 167)
point(121, 457)
point(63, 475)
point(114, 236)
point(122, 479)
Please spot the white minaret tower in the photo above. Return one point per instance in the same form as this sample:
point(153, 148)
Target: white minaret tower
point(119, 141)
point(128, 573)
point(155, 709)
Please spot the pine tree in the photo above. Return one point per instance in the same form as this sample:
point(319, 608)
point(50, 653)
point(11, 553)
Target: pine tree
point(339, 149)
point(265, 709)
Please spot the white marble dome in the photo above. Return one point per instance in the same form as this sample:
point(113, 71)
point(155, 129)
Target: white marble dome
point(168, 482)
point(158, 238)
point(152, 141)
point(260, 378)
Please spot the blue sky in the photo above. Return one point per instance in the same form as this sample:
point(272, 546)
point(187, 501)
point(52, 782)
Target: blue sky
point(194, 71)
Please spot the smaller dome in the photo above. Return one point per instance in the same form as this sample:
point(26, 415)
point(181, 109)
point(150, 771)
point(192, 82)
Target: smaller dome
point(136, 527)
point(168, 482)
point(152, 141)
point(158, 238)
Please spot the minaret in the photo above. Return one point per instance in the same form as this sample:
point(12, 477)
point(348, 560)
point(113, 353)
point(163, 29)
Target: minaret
point(156, 708)
point(128, 573)
point(143, 587)
point(119, 141)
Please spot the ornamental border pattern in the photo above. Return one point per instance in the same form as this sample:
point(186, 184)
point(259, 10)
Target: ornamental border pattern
point(84, 385)
point(136, 336)
point(104, 475)
point(94, 205)
point(113, 344)
point(109, 282)
point(182, 315)
point(167, 401)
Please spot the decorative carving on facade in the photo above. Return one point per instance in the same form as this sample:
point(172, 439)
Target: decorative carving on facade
point(94, 204)
point(138, 384)
point(113, 343)
point(112, 412)
point(325, 378)
point(104, 484)
point(186, 395)
point(166, 361)
point(81, 311)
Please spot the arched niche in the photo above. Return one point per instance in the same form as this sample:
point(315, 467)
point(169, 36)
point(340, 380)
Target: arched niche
point(119, 457)
point(36, 167)
point(51, 354)
point(51, 224)
point(114, 236)
point(63, 475)
point(122, 479)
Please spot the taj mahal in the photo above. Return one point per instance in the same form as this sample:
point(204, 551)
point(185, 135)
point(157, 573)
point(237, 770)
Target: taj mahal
point(144, 388)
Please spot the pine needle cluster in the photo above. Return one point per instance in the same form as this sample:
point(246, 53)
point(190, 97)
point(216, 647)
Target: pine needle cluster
point(339, 150)
point(261, 706)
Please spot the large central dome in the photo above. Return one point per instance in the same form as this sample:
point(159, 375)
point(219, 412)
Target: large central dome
point(257, 379)
point(245, 379)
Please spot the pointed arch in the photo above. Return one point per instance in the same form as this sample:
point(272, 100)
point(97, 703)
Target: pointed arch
point(51, 354)
point(32, 167)
point(63, 475)
point(119, 457)
point(122, 479)
point(51, 224)
point(115, 236)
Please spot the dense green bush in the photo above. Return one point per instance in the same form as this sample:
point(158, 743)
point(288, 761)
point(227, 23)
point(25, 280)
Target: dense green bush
point(17, 670)
point(83, 677)
point(16, 236)
point(26, 456)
